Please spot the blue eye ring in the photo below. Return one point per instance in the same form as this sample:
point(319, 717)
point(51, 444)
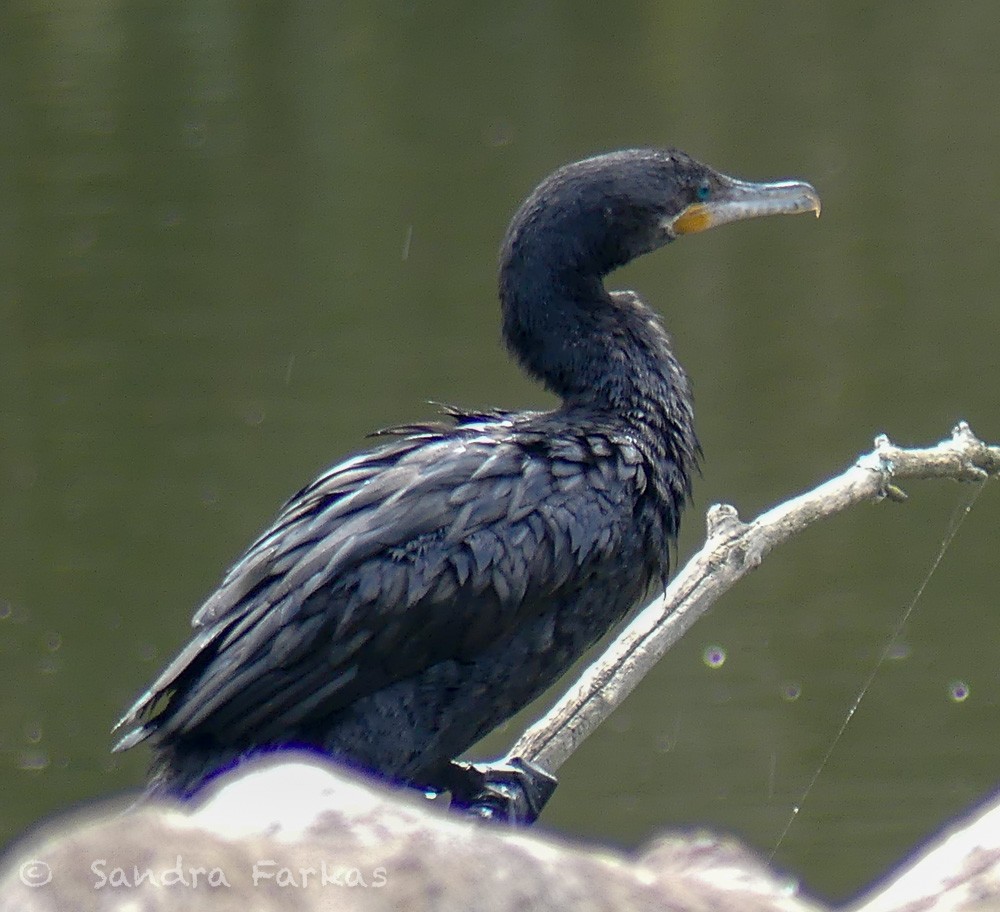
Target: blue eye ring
point(703, 191)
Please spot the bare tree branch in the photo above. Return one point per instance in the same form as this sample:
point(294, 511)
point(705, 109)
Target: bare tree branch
point(731, 550)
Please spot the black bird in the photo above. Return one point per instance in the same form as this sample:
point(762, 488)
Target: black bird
point(415, 596)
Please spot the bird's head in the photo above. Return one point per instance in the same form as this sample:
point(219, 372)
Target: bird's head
point(597, 214)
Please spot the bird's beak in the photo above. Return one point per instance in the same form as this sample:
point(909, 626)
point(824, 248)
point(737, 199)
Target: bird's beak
point(735, 200)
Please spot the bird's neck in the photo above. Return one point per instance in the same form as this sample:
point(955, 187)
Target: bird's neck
point(609, 358)
point(592, 348)
point(605, 353)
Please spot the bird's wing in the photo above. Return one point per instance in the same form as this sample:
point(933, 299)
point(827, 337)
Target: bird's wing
point(426, 549)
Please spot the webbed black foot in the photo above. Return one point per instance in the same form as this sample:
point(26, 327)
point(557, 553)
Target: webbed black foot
point(512, 791)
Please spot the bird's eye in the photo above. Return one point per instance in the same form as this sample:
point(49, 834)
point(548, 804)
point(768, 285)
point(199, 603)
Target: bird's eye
point(703, 191)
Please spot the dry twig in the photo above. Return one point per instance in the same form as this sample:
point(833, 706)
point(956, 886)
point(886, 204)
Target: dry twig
point(731, 550)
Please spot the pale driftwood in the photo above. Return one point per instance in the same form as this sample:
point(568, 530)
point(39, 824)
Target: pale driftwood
point(287, 833)
point(731, 550)
point(296, 833)
point(958, 872)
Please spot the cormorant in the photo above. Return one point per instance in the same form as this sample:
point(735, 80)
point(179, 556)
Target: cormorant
point(415, 596)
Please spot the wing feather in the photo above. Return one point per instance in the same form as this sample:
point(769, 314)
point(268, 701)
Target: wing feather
point(420, 550)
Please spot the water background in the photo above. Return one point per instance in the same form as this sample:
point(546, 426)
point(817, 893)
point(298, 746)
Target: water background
point(236, 238)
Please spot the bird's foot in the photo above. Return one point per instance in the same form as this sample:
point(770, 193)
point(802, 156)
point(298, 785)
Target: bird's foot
point(511, 791)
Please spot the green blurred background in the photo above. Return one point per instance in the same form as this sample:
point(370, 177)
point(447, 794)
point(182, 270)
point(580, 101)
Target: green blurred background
point(234, 238)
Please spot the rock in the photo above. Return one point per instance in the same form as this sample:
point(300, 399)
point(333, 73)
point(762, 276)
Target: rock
point(292, 832)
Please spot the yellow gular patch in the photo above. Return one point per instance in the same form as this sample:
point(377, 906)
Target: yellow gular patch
point(695, 218)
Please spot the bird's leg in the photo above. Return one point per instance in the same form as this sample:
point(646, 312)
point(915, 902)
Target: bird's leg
point(512, 790)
